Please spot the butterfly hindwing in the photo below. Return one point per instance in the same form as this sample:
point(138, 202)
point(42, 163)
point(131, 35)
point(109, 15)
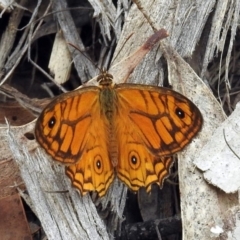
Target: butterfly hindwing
point(94, 171)
point(137, 165)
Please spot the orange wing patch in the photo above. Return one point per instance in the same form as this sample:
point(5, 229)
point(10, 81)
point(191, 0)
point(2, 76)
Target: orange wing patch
point(138, 166)
point(165, 120)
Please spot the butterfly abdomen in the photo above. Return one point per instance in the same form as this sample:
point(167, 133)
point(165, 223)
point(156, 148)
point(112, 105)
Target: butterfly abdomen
point(108, 108)
point(113, 146)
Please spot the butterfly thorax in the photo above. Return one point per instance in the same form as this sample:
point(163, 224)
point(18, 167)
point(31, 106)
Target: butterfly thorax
point(108, 107)
point(107, 95)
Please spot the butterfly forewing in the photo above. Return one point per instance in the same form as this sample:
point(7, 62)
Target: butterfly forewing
point(165, 120)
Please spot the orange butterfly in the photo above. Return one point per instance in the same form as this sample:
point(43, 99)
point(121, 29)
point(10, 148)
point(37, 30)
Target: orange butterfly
point(128, 130)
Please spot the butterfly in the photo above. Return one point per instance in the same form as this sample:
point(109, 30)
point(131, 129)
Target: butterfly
point(124, 130)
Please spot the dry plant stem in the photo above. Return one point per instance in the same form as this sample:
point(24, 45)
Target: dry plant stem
point(231, 21)
point(19, 52)
point(9, 35)
point(235, 9)
point(225, 17)
point(34, 71)
point(47, 75)
point(128, 64)
point(229, 144)
point(106, 15)
point(34, 104)
point(18, 59)
point(9, 5)
point(31, 36)
point(84, 67)
point(146, 15)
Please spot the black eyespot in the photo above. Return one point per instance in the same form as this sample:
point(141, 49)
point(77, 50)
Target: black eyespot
point(98, 164)
point(180, 113)
point(134, 159)
point(51, 122)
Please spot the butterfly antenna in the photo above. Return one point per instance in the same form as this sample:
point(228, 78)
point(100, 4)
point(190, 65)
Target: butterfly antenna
point(85, 55)
point(102, 70)
point(122, 46)
point(106, 55)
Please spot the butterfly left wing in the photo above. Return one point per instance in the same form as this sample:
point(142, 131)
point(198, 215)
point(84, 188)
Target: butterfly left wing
point(72, 130)
point(153, 123)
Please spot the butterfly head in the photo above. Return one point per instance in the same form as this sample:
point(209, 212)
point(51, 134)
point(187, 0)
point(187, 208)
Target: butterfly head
point(105, 79)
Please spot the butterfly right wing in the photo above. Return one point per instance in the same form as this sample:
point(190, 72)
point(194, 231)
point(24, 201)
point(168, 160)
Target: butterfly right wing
point(153, 123)
point(72, 131)
point(165, 120)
